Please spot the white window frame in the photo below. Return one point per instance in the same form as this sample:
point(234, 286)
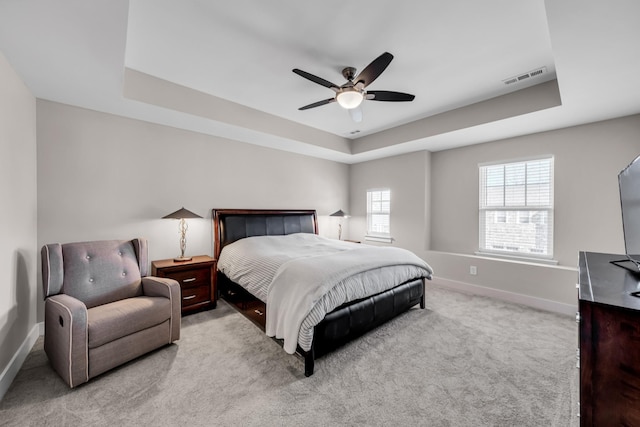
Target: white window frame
point(517, 210)
point(372, 235)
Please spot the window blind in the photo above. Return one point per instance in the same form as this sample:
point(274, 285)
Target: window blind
point(516, 208)
point(378, 212)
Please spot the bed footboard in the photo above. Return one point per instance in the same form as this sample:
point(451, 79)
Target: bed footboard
point(350, 321)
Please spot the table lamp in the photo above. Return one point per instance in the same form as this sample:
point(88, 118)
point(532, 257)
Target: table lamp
point(341, 215)
point(181, 214)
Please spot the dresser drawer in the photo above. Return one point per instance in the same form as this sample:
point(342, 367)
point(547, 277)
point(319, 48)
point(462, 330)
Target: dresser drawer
point(191, 278)
point(192, 296)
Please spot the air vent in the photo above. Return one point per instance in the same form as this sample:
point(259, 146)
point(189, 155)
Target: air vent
point(534, 73)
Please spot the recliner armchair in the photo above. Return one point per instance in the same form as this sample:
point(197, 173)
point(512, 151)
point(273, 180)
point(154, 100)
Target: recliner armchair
point(101, 308)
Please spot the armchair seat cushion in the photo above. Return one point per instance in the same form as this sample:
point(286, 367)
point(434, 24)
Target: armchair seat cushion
point(118, 319)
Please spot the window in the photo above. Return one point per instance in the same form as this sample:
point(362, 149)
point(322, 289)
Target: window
point(378, 214)
point(516, 208)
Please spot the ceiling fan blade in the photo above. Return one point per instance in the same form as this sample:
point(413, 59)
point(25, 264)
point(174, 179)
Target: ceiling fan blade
point(385, 95)
point(373, 70)
point(316, 79)
point(356, 113)
point(317, 104)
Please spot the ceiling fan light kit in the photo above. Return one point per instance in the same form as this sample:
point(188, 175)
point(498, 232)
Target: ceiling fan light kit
point(349, 98)
point(351, 94)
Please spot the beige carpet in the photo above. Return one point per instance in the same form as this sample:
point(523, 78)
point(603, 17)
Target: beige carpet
point(464, 361)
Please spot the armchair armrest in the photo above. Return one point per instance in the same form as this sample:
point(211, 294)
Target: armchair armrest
point(66, 338)
point(168, 288)
point(160, 287)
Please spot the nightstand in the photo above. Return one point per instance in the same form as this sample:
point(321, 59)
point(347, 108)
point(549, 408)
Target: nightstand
point(197, 279)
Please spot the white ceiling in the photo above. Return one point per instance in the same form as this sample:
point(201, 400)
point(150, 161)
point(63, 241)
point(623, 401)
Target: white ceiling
point(449, 54)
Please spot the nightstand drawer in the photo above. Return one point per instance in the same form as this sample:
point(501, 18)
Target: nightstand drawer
point(196, 277)
point(191, 278)
point(192, 296)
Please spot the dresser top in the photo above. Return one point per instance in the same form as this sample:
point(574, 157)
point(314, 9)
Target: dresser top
point(606, 283)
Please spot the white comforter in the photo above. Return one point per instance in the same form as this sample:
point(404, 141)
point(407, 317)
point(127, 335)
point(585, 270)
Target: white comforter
point(302, 277)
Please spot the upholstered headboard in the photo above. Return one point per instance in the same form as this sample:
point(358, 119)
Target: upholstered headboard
point(230, 225)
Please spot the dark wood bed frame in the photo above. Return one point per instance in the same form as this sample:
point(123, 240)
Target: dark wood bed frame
point(338, 327)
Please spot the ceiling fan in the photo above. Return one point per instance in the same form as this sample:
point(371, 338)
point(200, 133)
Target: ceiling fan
point(351, 94)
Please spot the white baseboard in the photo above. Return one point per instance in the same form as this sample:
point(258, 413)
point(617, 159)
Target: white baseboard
point(10, 372)
point(535, 302)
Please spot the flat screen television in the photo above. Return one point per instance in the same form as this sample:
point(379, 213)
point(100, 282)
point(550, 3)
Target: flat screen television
point(629, 183)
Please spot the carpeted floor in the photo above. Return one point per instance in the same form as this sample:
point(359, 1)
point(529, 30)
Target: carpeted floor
point(464, 361)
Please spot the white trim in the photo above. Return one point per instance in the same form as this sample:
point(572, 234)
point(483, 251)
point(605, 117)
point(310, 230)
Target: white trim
point(12, 369)
point(509, 260)
point(517, 160)
point(379, 239)
point(532, 260)
point(530, 301)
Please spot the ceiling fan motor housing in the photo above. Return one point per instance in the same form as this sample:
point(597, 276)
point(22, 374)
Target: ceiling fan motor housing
point(349, 73)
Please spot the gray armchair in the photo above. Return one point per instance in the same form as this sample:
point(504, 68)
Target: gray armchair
point(101, 308)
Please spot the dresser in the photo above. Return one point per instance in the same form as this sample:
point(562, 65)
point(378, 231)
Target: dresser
point(609, 336)
point(197, 279)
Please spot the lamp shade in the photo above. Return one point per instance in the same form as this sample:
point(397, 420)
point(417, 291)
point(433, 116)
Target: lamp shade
point(349, 98)
point(182, 213)
point(339, 213)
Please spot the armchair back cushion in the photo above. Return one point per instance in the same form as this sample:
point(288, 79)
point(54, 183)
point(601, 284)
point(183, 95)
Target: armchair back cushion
point(95, 273)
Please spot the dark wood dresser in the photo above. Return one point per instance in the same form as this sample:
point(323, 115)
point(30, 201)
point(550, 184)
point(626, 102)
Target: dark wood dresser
point(197, 280)
point(609, 361)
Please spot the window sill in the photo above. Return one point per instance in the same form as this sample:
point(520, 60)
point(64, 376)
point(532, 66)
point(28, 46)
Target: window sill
point(545, 261)
point(380, 239)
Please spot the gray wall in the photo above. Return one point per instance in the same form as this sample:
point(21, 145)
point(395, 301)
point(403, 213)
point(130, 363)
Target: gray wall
point(588, 159)
point(587, 210)
point(407, 176)
point(18, 253)
point(106, 177)
point(587, 205)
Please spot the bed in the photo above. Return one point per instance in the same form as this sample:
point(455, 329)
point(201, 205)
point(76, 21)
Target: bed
point(310, 293)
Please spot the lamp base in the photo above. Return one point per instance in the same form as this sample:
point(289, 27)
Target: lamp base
point(182, 258)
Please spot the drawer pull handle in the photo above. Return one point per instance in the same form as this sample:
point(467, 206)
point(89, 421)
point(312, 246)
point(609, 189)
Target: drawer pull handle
point(258, 312)
point(193, 279)
point(189, 297)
